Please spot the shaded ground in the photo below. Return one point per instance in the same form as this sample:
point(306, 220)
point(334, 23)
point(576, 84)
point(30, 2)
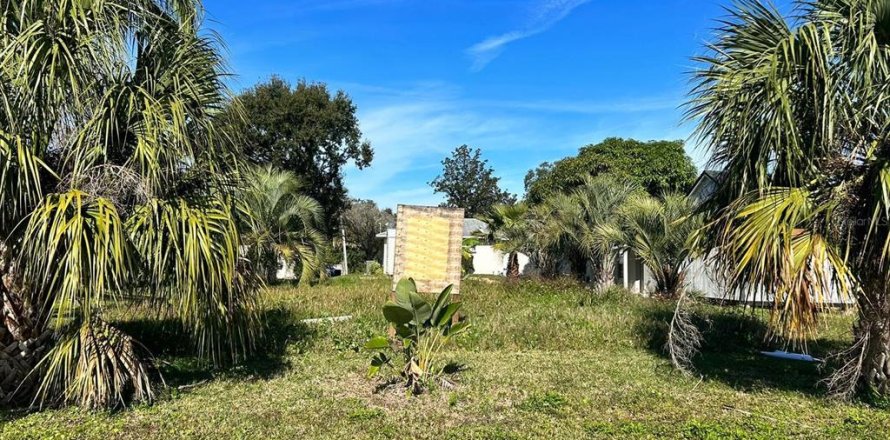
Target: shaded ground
point(539, 364)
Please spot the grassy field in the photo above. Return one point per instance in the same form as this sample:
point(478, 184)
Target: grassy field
point(542, 361)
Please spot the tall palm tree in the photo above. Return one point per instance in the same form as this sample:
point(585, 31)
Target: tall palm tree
point(797, 114)
point(658, 232)
point(282, 223)
point(115, 185)
point(508, 233)
point(600, 200)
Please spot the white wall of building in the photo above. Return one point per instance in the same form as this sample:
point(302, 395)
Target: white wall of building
point(285, 270)
point(702, 277)
point(489, 261)
point(389, 252)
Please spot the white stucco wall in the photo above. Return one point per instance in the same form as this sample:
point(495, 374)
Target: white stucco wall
point(389, 251)
point(488, 261)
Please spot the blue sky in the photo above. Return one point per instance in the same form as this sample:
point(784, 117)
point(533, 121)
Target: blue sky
point(526, 81)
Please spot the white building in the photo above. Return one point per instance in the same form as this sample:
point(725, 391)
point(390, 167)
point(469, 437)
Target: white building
point(702, 275)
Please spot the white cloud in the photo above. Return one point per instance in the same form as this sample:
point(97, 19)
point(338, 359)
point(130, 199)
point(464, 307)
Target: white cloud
point(412, 128)
point(411, 138)
point(545, 14)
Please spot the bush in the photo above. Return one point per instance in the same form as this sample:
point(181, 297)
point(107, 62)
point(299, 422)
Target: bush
point(373, 268)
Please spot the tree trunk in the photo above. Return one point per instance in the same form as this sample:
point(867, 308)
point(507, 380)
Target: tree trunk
point(513, 266)
point(606, 277)
point(873, 330)
point(22, 343)
point(865, 365)
point(670, 282)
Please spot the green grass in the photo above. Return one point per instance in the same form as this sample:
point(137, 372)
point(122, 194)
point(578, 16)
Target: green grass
point(542, 360)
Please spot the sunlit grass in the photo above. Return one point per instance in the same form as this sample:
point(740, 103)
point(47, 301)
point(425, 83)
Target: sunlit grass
point(543, 360)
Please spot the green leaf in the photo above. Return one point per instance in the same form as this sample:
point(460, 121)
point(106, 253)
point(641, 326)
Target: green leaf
point(404, 289)
point(420, 308)
point(377, 343)
point(445, 317)
point(442, 300)
point(457, 328)
point(405, 332)
point(377, 361)
point(373, 370)
point(397, 314)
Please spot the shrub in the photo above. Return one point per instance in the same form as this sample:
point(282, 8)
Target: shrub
point(373, 268)
point(421, 331)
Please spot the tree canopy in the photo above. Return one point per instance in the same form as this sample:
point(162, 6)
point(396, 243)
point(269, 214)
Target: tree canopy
point(657, 166)
point(306, 130)
point(363, 220)
point(468, 182)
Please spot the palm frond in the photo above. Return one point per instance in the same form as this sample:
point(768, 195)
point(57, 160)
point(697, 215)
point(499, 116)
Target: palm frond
point(771, 244)
point(21, 185)
point(116, 180)
point(507, 231)
point(95, 365)
point(658, 231)
point(75, 255)
point(279, 221)
point(191, 254)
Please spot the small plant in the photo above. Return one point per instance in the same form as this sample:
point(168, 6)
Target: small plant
point(421, 331)
point(373, 268)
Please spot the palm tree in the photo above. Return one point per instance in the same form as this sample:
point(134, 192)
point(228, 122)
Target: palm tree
point(599, 200)
point(508, 233)
point(658, 232)
point(282, 223)
point(797, 114)
point(551, 232)
point(115, 186)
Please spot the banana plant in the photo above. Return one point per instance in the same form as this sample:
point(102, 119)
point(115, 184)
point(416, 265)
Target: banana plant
point(422, 330)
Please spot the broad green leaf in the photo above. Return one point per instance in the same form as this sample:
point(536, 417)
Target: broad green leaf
point(442, 300)
point(420, 308)
point(377, 343)
point(405, 332)
point(397, 314)
point(446, 315)
point(404, 289)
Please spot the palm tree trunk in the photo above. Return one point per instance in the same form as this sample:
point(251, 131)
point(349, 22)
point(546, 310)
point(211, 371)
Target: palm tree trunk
point(606, 276)
point(21, 342)
point(865, 365)
point(873, 329)
point(513, 266)
point(670, 284)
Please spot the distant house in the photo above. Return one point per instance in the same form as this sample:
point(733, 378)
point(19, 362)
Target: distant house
point(701, 275)
point(705, 186)
point(486, 259)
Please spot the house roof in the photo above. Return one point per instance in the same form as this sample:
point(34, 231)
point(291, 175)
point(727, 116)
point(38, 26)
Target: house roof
point(716, 175)
point(705, 183)
point(472, 227)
